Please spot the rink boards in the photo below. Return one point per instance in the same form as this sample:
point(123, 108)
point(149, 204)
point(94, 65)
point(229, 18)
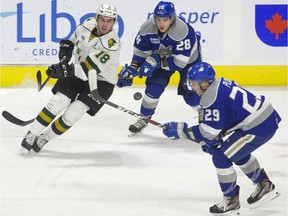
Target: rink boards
point(268, 75)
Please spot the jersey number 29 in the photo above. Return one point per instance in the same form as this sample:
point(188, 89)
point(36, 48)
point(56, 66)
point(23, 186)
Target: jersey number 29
point(212, 115)
point(245, 103)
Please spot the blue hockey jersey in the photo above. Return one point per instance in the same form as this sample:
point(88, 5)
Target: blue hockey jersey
point(227, 106)
point(179, 46)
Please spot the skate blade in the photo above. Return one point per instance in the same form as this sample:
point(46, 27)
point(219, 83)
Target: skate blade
point(131, 134)
point(266, 198)
point(230, 213)
point(23, 151)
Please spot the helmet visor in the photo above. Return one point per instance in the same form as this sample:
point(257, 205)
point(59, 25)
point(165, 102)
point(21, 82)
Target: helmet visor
point(191, 84)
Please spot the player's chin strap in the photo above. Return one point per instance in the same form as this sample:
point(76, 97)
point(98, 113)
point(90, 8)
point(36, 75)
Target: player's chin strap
point(92, 79)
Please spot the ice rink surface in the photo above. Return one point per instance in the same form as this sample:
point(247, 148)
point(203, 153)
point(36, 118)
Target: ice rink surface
point(96, 169)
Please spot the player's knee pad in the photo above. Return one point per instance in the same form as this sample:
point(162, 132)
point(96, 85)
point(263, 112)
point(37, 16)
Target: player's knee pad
point(220, 160)
point(154, 91)
point(149, 103)
point(74, 112)
point(245, 160)
point(58, 103)
point(151, 99)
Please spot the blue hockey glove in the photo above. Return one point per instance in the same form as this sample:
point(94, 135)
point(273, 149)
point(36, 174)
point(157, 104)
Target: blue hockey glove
point(125, 77)
point(176, 130)
point(210, 146)
point(152, 62)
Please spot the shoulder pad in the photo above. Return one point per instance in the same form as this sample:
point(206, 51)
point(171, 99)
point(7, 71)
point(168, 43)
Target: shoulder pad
point(110, 41)
point(210, 94)
point(179, 29)
point(89, 23)
point(148, 27)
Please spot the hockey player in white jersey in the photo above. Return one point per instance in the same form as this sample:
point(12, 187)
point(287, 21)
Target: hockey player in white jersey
point(97, 50)
point(164, 44)
point(250, 121)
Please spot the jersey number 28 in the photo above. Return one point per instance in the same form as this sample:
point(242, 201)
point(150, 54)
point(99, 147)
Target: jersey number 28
point(184, 45)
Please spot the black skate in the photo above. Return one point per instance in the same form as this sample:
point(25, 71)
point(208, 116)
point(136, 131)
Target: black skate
point(264, 192)
point(138, 126)
point(39, 142)
point(27, 143)
point(228, 205)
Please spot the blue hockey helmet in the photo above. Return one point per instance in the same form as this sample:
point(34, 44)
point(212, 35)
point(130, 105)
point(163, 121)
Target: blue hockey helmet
point(199, 72)
point(164, 9)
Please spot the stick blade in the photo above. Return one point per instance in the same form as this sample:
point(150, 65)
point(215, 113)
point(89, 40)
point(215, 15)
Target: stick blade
point(12, 119)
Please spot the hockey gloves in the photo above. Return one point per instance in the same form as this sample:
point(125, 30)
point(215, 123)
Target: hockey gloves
point(125, 77)
point(62, 69)
point(152, 62)
point(209, 146)
point(65, 50)
point(176, 130)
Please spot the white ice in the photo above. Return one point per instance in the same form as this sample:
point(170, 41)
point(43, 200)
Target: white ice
point(96, 169)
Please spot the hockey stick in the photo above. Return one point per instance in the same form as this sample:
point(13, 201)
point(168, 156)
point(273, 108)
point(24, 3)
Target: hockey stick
point(39, 80)
point(14, 120)
point(11, 118)
point(96, 96)
point(92, 78)
point(39, 77)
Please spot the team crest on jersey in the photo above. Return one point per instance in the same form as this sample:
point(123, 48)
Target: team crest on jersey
point(155, 40)
point(111, 42)
point(163, 51)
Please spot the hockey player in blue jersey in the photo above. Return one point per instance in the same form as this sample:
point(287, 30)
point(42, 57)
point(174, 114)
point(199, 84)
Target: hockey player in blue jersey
point(249, 121)
point(164, 44)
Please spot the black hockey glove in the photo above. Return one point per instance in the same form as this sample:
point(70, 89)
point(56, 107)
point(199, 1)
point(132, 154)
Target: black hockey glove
point(62, 69)
point(65, 50)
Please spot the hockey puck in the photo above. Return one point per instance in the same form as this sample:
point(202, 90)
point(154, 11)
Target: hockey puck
point(137, 96)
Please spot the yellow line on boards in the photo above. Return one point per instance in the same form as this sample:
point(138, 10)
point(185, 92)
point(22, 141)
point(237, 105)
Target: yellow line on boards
point(13, 76)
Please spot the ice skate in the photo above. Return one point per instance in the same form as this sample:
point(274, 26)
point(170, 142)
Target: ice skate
point(137, 127)
point(228, 206)
point(27, 143)
point(264, 192)
point(39, 142)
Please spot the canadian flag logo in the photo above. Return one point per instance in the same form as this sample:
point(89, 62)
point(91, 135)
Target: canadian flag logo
point(277, 25)
point(271, 24)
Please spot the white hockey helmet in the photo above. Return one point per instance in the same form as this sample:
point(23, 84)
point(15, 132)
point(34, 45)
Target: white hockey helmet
point(107, 10)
